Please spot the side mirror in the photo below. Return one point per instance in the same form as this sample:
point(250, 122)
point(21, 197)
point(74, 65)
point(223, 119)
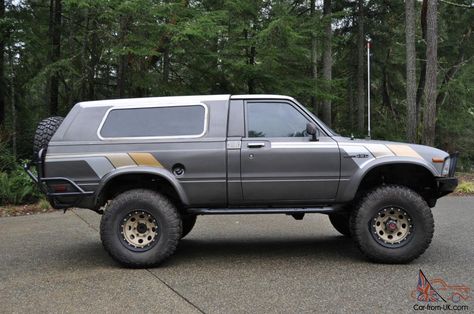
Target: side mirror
point(312, 130)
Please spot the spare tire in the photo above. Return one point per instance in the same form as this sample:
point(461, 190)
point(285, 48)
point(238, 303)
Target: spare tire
point(44, 133)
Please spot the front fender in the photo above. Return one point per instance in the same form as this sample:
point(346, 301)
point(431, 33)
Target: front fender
point(348, 188)
point(159, 172)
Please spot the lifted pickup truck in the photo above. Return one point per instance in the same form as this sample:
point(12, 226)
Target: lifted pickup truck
point(151, 165)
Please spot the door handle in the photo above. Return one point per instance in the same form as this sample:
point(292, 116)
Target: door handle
point(256, 145)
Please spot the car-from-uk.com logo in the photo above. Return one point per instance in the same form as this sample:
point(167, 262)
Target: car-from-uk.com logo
point(438, 295)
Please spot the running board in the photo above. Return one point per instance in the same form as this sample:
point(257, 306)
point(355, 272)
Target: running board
point(270, 210)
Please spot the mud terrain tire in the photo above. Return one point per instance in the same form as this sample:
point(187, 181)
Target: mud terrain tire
point(44, 133)
point(368, 214)
point(158, 209)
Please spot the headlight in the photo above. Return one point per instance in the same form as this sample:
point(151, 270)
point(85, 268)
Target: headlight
point(446, 166)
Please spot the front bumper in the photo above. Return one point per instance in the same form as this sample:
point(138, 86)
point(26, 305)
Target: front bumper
point(446, 185)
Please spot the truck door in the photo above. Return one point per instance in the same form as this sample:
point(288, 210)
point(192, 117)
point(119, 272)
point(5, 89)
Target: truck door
point(279, 162)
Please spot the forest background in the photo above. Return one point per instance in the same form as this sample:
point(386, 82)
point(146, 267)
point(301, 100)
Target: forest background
point(55, 53)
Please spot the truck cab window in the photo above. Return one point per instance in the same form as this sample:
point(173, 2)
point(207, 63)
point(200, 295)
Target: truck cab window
point(266, 119)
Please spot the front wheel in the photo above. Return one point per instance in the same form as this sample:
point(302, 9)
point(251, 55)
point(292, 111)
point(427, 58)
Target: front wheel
point(392, 224)
point(140, 228)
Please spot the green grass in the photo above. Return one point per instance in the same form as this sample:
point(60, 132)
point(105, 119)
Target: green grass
point(44, 204)
point(466, 187)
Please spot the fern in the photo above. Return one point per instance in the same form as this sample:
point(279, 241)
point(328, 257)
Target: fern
point(17, 188)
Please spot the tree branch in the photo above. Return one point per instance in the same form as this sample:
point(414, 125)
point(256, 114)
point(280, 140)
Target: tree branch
point(458, 4)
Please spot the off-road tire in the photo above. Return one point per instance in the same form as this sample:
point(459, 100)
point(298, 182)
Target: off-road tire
point(341, 222)
point(44, 133)
point(398, 196)
point(160, 207)
point(188, 224)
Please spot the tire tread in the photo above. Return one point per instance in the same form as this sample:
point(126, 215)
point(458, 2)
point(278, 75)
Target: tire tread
point(372, 197)
point(167, 208)
point(44, 132)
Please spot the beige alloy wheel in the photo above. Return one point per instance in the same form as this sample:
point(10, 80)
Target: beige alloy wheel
point(139, 229)
point(392, 226)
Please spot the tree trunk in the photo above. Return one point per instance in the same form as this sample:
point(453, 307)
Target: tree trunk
point(55, 37)
point(411, 70)
point(13, 103)
point(351, 105)
point(314, 59)
point(251, 53)
point(94, 61)
point(251, 80)
point(429, 113)
point(327, 60)
point(2, 74)
point(121, 76)
point(421, 82)
point(85, 58)
point(166, 63)
point(122, 60)
point(360, 68)
point(387, 102)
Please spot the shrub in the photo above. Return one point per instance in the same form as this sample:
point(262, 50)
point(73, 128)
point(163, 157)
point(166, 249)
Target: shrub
point(17, 188)
point(7, 160)
point(466, 187)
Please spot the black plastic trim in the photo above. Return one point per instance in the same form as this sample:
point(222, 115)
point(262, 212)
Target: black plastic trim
point(237, 211)
point(76, 196)
point(453, 164)
point(446, 185)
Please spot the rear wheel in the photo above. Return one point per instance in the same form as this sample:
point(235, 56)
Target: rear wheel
point(140, 228)
point(392, 224)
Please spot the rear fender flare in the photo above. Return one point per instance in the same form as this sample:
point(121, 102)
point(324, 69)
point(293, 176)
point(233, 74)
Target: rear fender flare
point(159, 172)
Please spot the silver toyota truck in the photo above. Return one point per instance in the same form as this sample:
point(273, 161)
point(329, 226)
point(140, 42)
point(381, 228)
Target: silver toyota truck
point(150, 166)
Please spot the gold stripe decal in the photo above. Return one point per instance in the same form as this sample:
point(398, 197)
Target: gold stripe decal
point(120, 160)
point(404, 151)
point(145, 159)
point(379, 150)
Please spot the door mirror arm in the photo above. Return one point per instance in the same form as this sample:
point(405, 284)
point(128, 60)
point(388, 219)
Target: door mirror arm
point(312, 130)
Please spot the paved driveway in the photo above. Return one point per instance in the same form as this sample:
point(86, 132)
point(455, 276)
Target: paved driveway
point(227, 264)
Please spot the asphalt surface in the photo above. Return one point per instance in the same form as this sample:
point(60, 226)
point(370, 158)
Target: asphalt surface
point(227, 264)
